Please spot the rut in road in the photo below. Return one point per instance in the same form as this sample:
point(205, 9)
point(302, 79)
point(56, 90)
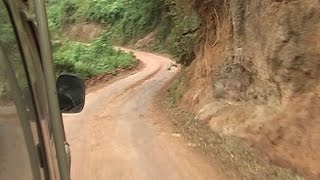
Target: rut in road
point(115, 136)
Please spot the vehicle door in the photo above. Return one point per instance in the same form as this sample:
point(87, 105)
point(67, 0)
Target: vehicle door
point(26, 126)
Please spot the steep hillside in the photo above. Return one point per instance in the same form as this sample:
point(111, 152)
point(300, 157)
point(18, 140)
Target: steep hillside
point(256, 77)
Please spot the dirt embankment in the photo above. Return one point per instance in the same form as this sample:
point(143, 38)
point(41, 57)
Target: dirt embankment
point(256, 76)
point(83, 32)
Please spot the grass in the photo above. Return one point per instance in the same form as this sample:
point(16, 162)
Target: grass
point(174, 93)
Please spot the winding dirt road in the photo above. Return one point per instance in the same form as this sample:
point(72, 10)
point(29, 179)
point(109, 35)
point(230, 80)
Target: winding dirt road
point(117, 137)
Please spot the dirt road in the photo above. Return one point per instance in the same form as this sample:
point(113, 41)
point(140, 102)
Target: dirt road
point(117, 135)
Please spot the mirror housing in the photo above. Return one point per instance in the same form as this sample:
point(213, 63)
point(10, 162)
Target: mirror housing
point(71, 93)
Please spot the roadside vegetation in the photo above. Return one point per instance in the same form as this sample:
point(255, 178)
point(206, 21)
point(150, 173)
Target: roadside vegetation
point(85, 59)
point(175, 30)
point(92, 59)
point(10, 46)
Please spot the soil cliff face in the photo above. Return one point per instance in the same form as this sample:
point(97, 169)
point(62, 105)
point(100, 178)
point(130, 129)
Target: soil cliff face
point(256, 76)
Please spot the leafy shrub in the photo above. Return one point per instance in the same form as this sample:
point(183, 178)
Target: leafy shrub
point(178, 32)
point(105, 11)
point(175, 27)
point(141, 17)
point(131, 19)
point(89, 60)
point(61, 12)
point(183, 38)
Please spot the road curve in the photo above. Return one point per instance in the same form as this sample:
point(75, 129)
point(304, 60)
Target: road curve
point(115, 137)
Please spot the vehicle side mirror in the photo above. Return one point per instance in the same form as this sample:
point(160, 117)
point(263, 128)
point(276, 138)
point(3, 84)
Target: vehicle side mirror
point(71, 93)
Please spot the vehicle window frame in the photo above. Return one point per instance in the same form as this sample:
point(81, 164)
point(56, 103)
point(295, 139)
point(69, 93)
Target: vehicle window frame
point(35, 66)
point(33, 152)
point(60, 160)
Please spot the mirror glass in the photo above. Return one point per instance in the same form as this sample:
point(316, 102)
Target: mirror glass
point(71, 93)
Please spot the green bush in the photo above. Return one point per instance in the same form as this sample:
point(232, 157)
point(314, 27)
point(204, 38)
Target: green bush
point(141, 17)
point(184, 37)
point(127, 21)
point(61, 12)
point(88, 60)
point(178, 32)
point(105, 11)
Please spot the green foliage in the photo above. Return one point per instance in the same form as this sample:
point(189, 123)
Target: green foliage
point(7, 38)
point(178, 32)
point(175, 92)
point(132, 19)
point(105, 11)
point(10, 46)
point(89, 60)
point(61, 12)
point(184, 37)
point(141, 17)
point(174, 25)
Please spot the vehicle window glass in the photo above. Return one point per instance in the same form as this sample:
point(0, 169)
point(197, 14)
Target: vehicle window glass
point(33, 61)
point(29, 40)
point(18, 130)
